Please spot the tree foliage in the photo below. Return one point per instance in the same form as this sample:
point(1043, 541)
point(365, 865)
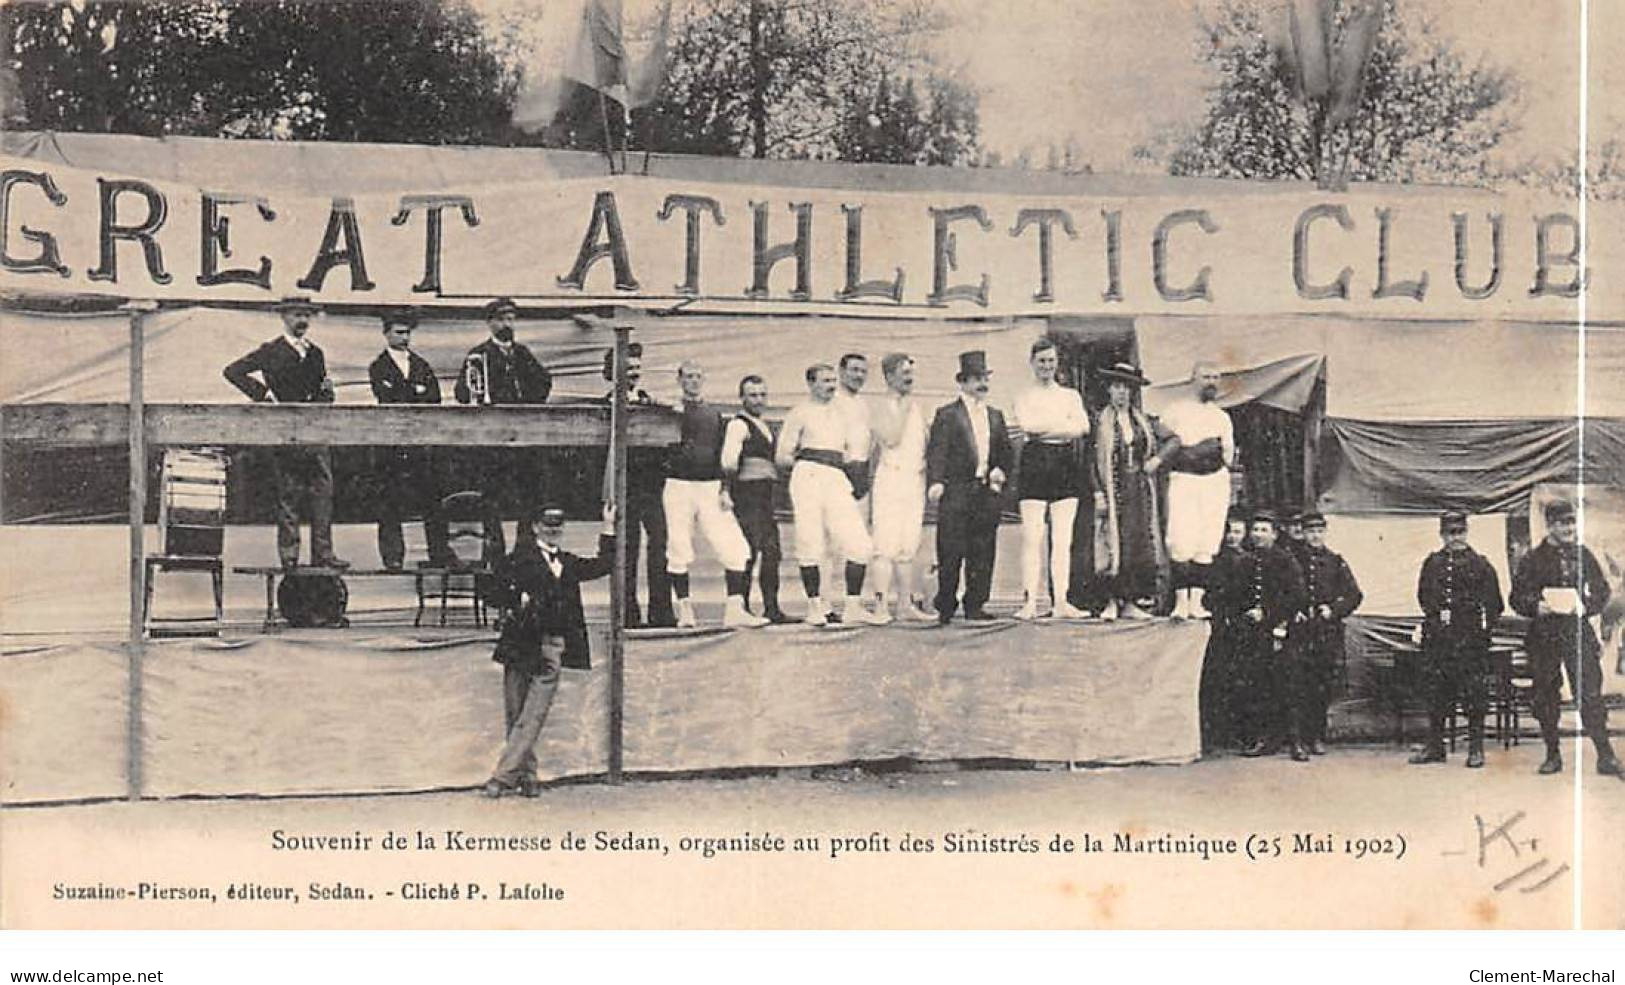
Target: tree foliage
point(1425, 113)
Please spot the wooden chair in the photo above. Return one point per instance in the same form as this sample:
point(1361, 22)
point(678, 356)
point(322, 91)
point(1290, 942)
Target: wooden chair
point(192, 519)
point(464, 513)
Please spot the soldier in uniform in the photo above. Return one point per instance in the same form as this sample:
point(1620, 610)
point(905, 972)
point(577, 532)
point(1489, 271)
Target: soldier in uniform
point(1460, 596)
point(502, 371)
point(1220, 692)
point(1265, 587)
point(1559, 586)
point(1331, 594)
point(645, 515)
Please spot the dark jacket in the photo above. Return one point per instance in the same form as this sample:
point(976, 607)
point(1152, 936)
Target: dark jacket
point(512, 378)
point(1553, 565)
point(1465, 583)
point(418, 386)
point(950, 451)
point(287, 377)
point(646, 467)
point(545, 605)
point(1327, 580)
point(1267, 579)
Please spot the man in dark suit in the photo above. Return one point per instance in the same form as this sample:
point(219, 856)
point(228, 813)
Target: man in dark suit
point(1559, 586)
point(502, 371)
point(645, 515)
point(538, 587)
point(405, 477)
point(1460, 596)
point(967, 458)
point(293, 370)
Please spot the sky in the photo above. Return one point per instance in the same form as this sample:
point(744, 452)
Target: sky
point(1108, 75)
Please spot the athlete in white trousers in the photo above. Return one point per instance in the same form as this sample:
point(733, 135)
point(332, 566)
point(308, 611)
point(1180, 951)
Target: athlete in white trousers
point(899, 491)
point(1198, 485)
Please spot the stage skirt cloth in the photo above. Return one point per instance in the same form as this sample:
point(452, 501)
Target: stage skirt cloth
point(1050, 471)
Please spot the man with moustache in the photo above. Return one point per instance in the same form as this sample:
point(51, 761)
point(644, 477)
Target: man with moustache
point(967, 457)
point(645, 515)
point(293, 370)
point(852, 372)
point(1560, 586)
point(751, 476)
point(813, 449)
point(1331, 594)
point(899, 490)
point(502, 371)
point(1460, 596)
point(1199, 456)
point(405, 477)
point(1265, 587)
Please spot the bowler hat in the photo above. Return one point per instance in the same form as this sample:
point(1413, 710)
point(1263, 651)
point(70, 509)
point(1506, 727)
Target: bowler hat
point(552, 516)
point(1123, 373)
point(1452, 520)
point(295, 302)
point(500, 306)
point(972, 363)
point(1558, 509)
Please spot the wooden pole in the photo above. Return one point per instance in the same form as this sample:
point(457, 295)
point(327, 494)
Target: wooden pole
point(138, 547)
point(617, 585)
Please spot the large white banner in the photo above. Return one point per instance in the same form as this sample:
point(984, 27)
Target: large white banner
point(660, 242)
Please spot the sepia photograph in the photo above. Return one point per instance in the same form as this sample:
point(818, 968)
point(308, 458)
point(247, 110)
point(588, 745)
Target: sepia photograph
point(813, 465)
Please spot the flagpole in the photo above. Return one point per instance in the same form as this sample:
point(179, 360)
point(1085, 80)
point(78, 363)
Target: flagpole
point(603, 117)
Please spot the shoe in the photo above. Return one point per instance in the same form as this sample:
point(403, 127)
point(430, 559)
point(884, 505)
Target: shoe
point(1028, 612)
point(833, 617)
point(495, 789)
point(394, 564)
point(944, 617)
point(979, 615)
point(1553, 763)
point(1299, 753)
point(336, 563)
point(1181, 605)
point(1109, 614)
point(736, 616)
point(1197, 609)
point(530, 787)
point(664, 620)
point(1610, 766)
point(685, 614)
point(1475, 758)
point(909, 612)
point(880, 615)
point(1317, 748)
point(1132, 611)
point(1428, 754)
point(1066, 610)
point(1262, 747)
point(816, 614)
point(779, 617)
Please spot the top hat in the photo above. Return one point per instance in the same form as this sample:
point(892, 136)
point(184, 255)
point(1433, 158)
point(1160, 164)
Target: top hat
point(552, 516)
point(295, 302)
point(403, 316)
point(500, 306)
point(1313, 519)
point(972, 363)
point(1558, 509)
point(1123, 373)
point(1452, 520)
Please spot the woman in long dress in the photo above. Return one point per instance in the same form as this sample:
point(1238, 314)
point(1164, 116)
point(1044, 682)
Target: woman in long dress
point(1052, 418)
point(1126, 462)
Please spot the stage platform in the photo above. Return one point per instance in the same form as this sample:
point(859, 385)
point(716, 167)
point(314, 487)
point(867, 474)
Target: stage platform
point(335, 712)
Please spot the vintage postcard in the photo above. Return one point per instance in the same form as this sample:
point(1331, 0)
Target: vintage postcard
point(751, 464)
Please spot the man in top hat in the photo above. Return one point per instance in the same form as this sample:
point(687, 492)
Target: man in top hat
point(1330, 595)
point(751, 476)
point(502, 371)
point(1264, 589)
point(1199, 459)
point(813, 449)
point(695, 496)
point(293, 370)
point(645, 516)
point(1460, 596)
point(405, 477)
point(544, 628)
point(967, 458)
point(1559, 586)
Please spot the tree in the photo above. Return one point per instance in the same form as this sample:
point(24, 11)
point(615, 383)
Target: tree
point(1424, 113)
point(397, 70)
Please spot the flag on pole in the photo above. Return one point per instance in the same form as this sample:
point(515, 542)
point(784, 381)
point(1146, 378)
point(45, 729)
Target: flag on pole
point(1310, 22)
point(594, 43)
point(1351, 58)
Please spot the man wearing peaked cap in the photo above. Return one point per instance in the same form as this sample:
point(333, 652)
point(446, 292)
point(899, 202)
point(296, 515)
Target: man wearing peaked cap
point(1331, 594)
point(544, 628)
point(503, 371)
point(967, 458)
point(1263, 587)
point(293, 370)
point(1460, 596)
point(1559, 586)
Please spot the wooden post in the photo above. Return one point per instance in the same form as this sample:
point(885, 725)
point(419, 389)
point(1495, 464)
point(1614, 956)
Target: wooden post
point(138, 548)
point(617, 585)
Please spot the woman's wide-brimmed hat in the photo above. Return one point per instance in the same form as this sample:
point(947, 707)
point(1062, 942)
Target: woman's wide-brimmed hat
point(1123, 373)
